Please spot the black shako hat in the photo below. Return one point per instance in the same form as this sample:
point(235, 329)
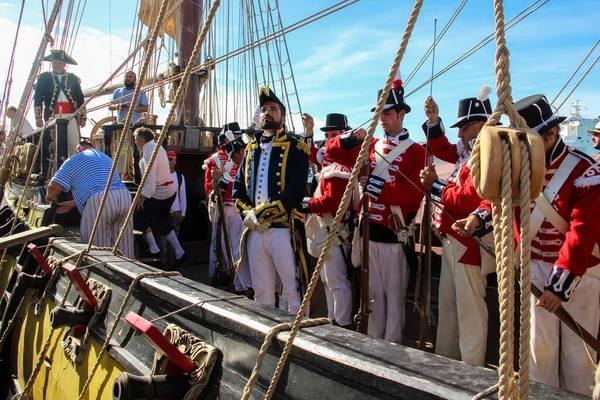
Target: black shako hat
point(474, 108)
point(60, 55)
point(396, 97)
point(233, 127)
point(538, 113)
point(265, 94)
point(234, 145)
point(334, 122)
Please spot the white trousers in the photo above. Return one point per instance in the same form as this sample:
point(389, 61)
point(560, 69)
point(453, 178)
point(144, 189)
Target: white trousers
point(558, 356)
point(388, 281)
point(463, 314)
point(111, 221)
point(337, 287)
point(271, 254)
point(235, 228)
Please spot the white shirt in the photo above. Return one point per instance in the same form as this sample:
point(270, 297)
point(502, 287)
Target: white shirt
point(180, 203)
point(62, 98)
point(261, 193)
point(157, 185)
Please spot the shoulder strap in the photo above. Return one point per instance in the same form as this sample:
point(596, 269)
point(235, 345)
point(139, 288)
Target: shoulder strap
point(383, 161)
point(543, 204)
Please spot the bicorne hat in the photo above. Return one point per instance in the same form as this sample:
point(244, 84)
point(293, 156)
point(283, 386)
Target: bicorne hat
point(396, 97)
point(233, 127)
point(474, 108)
point(60, 55)
point(334, 122)
point(538, 113)
point(265, 95)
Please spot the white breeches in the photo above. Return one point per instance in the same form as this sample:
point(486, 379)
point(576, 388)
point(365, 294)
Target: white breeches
point(271, 254)
point(337, 287)
point(558, 356)
point(388, 280)
point(463, 314)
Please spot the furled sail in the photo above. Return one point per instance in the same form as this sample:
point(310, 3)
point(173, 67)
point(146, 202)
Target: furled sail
point(148, 14)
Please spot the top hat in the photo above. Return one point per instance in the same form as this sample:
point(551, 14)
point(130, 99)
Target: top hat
point(538, 113)
point(596, 129)
point(395, 98)
point(233, 127)
point(334, 122)
point(60, 55)
point(474, 108)
point(234, 145)
point(265, 94)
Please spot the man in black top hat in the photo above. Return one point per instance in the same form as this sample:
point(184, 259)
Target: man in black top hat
point(57, 91)
point(271, 183)
point(335, 124)
point(392, 206)
point(564, 253)
point(463, 315)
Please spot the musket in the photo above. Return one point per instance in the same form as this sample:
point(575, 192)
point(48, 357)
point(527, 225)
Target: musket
point(562, 314)
point(426, 234)
point(225, 233)
point(364, 308)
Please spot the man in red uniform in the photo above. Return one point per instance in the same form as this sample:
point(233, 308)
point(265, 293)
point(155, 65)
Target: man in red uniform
point(393, 204)
point(335, 124)
point(564, 253)
point(323, 205)
point(217, 167)
point(463, 315)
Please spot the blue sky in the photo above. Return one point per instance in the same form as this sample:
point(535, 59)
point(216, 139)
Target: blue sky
point(342, 60)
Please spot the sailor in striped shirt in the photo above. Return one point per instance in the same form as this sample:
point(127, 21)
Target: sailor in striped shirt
point(85, 175)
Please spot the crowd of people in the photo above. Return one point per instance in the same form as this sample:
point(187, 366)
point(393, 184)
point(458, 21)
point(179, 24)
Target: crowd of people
point(259, 193)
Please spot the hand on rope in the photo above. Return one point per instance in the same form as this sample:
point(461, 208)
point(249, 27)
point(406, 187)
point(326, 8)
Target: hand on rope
point(432, 110)
point(428, 176)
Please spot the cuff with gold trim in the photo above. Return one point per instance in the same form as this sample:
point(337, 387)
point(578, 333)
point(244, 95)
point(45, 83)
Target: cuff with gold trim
point(562, 283)
point(37, 111)
point(270, 211)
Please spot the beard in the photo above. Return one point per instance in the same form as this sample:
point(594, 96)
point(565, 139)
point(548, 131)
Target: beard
point(129, 84)
point(596, 144)
point(270, 124)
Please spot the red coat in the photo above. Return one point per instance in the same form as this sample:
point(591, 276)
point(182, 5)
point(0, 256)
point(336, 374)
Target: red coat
point(398, 191)
point(577, 201)
point(459, 198)
point(332, 185)
point(219, 160)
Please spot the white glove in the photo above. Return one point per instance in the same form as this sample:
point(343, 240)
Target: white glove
point(262, 228)
point(250, 221)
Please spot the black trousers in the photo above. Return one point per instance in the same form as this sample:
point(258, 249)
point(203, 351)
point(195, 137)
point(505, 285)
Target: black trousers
point(155, 214)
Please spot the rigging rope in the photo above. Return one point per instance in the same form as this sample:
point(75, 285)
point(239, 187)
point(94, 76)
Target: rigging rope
point(363, 154)
point(578, 83)
point(180, 91)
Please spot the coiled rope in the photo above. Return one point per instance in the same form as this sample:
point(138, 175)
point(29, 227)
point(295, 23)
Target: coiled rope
point(503, 217)
point(364, 152)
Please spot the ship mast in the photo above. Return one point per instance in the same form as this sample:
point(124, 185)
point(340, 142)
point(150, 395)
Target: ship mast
point(191, 17)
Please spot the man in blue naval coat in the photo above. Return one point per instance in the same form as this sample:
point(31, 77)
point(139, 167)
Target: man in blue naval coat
point(271, 182)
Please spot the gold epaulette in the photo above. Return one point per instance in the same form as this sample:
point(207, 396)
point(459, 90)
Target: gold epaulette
point(304, 147)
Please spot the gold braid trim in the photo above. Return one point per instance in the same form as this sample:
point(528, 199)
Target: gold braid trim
point(273, 212)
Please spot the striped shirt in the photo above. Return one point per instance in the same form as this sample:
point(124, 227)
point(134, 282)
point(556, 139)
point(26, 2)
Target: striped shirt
point(85, 174)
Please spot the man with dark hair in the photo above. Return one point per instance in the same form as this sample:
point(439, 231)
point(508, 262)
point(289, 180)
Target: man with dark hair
point(158, 195)
point(463, 314)
point(87, 188)
point(270, 184)
point(564, 253)
point(122, 98)
point(393, 205)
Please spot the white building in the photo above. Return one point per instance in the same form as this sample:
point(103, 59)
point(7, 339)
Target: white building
point(574, 129)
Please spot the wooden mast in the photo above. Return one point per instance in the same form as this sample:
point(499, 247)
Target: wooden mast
point(191, 18)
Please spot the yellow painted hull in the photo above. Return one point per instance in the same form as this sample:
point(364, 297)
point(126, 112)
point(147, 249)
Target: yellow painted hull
point(59, 378)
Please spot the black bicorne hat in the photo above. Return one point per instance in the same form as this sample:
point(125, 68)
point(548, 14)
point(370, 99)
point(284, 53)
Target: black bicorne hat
point(334, 122)
point(396, 97)
point(538, 113)
point(235, 145)
point(233, 127)
point(60, 55)
point(265, 94)
point(474, 108)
